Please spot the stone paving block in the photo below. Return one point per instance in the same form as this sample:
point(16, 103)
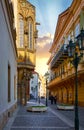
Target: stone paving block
point(58, 128)
point(25, 120)
point(38, 121)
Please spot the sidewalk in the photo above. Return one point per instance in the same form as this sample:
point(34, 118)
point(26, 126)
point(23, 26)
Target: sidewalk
point(69, 115)
point(52, 119)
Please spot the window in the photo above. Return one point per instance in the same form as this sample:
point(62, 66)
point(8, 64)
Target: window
point(77, 30)
point(9, 86)
point(21, 31)
point(72, 35)
point(66, 40)
point(30, 36)
point(32, 88)
point(69, 37)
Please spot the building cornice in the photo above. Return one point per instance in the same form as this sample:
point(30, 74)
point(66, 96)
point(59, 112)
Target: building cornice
point(70, 13)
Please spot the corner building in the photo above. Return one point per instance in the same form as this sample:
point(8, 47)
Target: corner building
point(62, 72)
point(26, 47)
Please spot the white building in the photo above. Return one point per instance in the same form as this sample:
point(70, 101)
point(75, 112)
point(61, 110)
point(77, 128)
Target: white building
point(42, 86)
point(8, 65)
point(34, 85)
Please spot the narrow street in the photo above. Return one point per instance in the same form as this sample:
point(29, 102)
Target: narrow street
point(42, 56)
point(52, 119)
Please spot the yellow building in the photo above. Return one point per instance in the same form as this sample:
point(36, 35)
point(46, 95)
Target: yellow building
point(62, 72)
point(26, 42)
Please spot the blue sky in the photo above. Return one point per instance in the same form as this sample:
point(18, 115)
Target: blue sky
point(47, 12)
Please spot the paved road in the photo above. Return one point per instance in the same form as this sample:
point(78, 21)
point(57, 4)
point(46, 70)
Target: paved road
point(52, 119)
point(69, 115)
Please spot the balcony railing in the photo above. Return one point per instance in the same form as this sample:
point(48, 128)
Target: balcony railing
point(69, 73)
point(59, 56)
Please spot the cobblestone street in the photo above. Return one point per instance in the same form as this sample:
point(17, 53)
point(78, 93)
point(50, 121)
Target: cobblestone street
point(52, 119)
point(49, 120)
point(44, 120)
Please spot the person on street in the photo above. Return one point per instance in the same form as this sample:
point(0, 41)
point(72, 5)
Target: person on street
point(55, 99)
point(52, 99)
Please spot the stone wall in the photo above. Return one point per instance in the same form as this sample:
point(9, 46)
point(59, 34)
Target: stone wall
point(6, 115)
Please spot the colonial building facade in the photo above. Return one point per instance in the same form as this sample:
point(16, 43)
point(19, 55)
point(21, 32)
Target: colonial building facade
point(8, 62)
point(26, 43)
point(62, 72)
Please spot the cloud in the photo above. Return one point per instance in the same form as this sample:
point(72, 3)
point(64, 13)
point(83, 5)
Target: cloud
point(42, 53)
point(43, 45)
point(43, 40)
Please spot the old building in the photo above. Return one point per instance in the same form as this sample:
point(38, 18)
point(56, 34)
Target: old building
point(62, 72)
point(8, 63)
point(26, 47)
point(34, 85)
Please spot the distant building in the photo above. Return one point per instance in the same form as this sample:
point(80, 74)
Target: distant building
point(8, 64)
point(37, 86)
point(34, 85)
point(62, 72)
point(43, 87)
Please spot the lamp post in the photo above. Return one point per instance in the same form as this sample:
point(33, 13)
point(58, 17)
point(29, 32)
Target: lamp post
point(46, 94)
point(75, 53)
point(46, 77)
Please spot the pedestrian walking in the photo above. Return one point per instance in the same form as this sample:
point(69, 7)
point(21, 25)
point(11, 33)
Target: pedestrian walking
point(52, 99)
point(55, 99)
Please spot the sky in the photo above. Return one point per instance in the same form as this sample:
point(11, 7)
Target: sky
point(47, 12)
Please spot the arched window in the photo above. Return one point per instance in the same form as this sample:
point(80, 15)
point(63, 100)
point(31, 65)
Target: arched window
point(77, 30)
point(21, 31)
point(30, 36)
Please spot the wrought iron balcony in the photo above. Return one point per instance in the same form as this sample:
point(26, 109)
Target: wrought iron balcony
point(59, 57)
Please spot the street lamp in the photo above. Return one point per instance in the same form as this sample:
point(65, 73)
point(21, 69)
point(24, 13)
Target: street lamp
point(39, 90)
point(46, 76)
point(75, 53)
point(46, 94)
